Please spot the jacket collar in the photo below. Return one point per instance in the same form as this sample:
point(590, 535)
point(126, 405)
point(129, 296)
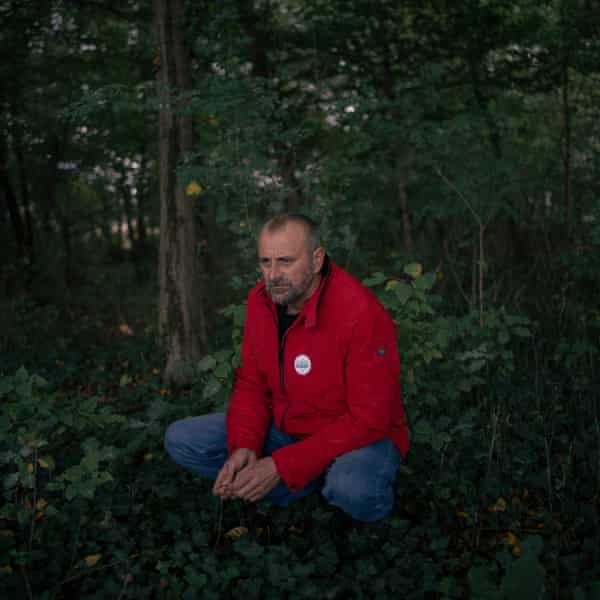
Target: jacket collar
point(310, 309)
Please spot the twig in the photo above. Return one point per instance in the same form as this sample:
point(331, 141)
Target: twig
point(495, 419)
point(126, 581)
point(454, 274)
point(27, 584)
point(34, 503)
point(482, 227)
point(548, 472)
point(460, 194)
point(219, 522)
point(481, 264)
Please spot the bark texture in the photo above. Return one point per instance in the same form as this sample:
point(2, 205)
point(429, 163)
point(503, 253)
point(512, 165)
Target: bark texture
point(181, 315)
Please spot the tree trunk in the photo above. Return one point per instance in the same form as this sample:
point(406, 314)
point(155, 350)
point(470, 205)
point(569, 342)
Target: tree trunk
point(128, 208)
point(566, 146)
point(141, 206)
point(65, 231)
point(181, 314)
point(22, 226)
point(12, 207)
point(25, 203)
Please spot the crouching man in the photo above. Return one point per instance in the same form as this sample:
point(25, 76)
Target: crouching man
point(316, 404)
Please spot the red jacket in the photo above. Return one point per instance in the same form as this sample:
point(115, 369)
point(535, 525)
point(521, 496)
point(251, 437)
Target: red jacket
point(334, 382)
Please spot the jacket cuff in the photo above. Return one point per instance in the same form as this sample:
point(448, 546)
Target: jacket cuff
point(294, 475)
point(248, 444)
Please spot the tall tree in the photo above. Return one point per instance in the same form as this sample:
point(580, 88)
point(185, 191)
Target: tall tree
point(181, 314)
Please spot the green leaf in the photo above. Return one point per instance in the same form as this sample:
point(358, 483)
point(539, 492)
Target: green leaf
point(222, 371)
point(157, 409)
point(11, 480)
point(88, 406)
point(21, 376)
point(524, 580)
point(125, 380)
point(211, 388)
point(425, 283)
point(208, 363)
point(415, 270)
point(24, 390)
point(403, 292)
point(6, 386)
point(521, 332)
point(503, 337)
point(532, 546)
point(482, 582)
point(375, 279)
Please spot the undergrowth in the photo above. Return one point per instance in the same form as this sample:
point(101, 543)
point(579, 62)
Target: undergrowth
point(498, 497)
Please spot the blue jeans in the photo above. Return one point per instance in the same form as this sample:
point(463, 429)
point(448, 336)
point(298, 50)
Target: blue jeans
point(360, 482)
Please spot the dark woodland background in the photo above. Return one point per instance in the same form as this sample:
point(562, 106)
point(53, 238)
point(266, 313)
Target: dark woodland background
point(450, 152)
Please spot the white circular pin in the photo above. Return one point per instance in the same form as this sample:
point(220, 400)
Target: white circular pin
point(302, 364)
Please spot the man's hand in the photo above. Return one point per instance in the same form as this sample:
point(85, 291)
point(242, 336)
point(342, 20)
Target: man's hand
point(256, 480)
point(240, 459)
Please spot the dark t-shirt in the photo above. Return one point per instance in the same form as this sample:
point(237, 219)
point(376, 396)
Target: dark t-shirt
point(285, 320)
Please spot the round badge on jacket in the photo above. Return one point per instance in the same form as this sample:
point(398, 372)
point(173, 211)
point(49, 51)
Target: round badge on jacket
point(302, 364)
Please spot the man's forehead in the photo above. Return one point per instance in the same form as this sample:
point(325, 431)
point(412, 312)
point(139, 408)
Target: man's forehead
point(287, 240)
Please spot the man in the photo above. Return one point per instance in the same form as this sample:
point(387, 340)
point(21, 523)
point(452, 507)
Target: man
point(316, 402)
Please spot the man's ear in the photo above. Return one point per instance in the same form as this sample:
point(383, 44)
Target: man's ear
point(318, 259)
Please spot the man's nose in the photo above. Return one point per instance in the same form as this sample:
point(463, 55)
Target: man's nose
point(273, 271)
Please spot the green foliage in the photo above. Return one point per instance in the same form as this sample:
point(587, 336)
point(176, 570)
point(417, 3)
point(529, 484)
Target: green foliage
point(92, 506)
point(216, 370)
point(446, 356)
point(473, 113)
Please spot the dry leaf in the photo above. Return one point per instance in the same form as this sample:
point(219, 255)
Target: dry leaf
point(92, 559)
point(193, 189)
point(236, 533)
point(513, 541)
point(500, 505)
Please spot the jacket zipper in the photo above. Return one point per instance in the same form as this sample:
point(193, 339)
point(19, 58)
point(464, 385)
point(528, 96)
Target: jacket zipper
point(281, 354)
point(281, 365)
point(282, 377)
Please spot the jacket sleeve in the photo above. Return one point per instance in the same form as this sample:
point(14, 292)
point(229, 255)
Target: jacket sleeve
point(249, 412)
point(372, 371)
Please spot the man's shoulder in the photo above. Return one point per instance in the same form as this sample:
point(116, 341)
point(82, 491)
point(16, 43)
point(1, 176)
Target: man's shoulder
point(352, 296)
point(256, 296)
point(257, 290)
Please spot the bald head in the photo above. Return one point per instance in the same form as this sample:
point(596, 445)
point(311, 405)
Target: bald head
point(309, 228)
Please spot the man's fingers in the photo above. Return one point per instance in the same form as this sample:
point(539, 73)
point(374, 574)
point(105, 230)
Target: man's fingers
point(239, 477)
point(248, 491)
point(245, 481)
point(223, 479)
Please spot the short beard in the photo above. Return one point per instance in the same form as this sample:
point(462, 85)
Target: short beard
point(294, 293)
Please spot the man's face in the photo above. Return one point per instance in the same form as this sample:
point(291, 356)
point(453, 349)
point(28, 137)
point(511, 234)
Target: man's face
point(290, 271)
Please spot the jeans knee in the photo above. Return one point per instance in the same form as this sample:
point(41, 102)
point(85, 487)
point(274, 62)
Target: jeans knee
point(172, 438)
point(198, 443)
point(359, 498)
